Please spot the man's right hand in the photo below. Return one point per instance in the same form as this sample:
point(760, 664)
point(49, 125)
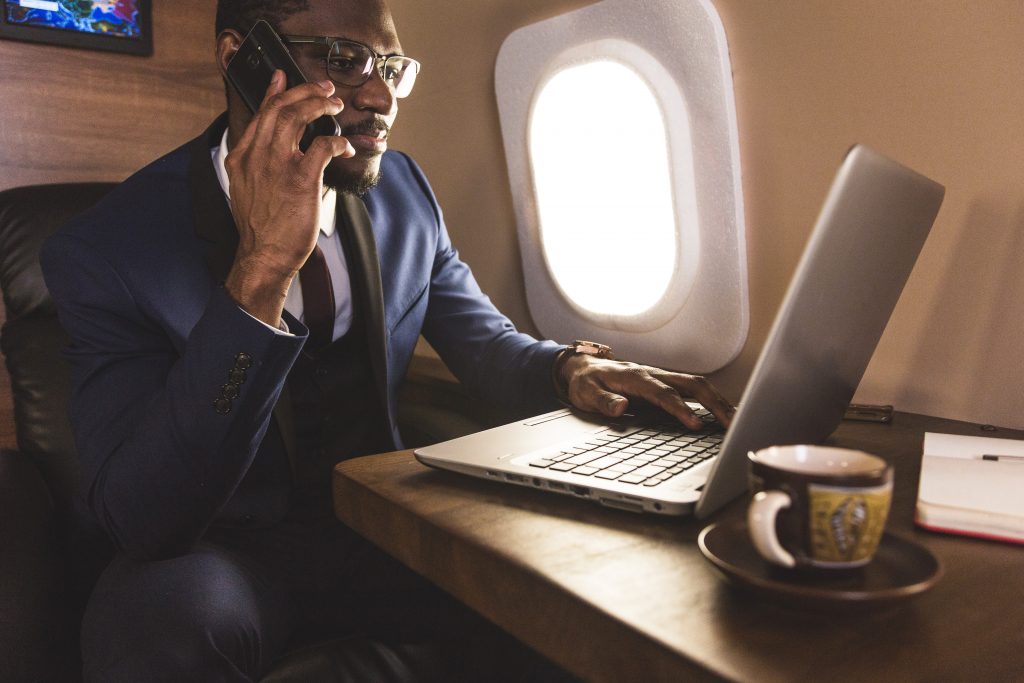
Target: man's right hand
point(276, 192)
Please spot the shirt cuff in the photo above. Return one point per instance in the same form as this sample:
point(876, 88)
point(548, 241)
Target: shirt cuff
point(281, 330)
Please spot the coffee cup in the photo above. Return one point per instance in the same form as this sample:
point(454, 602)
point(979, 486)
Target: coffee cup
point(816, 507)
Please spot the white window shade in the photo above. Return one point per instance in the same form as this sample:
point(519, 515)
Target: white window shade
point(620, 136)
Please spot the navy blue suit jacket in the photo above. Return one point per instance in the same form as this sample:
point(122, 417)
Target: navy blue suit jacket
point(137, 282)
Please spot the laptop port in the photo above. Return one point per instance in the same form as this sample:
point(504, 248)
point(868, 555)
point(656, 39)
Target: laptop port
point(580, 490)
point(519, 479)
point(622, 505)
point(557, 486)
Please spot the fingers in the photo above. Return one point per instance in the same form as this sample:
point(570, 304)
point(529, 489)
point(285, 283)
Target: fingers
point(321, 151)
point(603, 386)
point(644, 384)
point(282, 118)
point(704, 392)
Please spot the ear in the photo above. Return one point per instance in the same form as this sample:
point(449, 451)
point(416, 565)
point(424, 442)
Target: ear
point(228, 42)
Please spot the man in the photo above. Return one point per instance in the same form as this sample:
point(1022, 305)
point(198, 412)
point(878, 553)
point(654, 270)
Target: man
point(208, 415)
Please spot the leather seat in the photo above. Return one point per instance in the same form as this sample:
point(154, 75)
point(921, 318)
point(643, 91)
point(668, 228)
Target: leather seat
point(48, 566)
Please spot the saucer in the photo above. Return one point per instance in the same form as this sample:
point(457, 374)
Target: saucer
point(900, 569)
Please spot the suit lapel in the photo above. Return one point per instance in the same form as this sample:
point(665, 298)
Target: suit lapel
point(355, 221)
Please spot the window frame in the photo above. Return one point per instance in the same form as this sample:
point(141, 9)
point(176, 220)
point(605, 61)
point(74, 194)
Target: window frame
point(703, 325)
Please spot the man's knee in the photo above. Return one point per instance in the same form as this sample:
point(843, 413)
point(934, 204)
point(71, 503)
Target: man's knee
point(202, 614)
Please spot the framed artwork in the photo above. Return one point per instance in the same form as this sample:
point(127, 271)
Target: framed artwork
point(114, 25)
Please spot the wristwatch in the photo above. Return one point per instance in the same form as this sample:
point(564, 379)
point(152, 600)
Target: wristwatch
point(591, 348)
point(588, 348)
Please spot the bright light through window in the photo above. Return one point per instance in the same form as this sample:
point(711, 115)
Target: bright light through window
point(599, 152)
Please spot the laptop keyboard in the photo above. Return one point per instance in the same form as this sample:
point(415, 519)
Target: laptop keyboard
point(646, 455)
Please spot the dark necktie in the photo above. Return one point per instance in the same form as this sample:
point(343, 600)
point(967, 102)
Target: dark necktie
point(317, 300)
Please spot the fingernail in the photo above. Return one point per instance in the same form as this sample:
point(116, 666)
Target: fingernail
point(336, 100)
point(326, 85)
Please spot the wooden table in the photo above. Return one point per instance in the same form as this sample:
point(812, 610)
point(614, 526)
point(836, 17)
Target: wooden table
point(615, 596)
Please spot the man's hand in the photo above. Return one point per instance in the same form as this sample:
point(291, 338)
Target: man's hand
point(605, 386)
point(276, 192)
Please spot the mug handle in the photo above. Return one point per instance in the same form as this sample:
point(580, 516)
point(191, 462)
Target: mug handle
point(761, 514)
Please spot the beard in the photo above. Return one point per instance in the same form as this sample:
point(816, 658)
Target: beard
point(349, 182)
point(356, 182)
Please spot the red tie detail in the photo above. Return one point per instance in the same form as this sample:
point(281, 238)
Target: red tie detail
point(317, 300)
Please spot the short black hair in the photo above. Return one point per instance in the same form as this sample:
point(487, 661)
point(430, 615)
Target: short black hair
point(242, 15)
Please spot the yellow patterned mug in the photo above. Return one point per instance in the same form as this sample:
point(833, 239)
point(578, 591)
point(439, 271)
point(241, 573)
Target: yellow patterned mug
point(818, 507)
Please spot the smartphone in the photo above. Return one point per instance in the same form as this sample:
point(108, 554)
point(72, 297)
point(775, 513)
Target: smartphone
point(252, 67)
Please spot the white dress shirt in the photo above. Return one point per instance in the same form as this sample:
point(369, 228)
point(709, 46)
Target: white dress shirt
point(328, 241)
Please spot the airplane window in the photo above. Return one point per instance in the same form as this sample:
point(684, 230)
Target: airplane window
point(622, 145)
point(608, 234)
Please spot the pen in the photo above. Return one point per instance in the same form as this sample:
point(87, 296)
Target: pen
point(995, 457)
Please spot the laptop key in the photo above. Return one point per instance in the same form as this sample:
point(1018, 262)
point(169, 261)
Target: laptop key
point(542, 462)
point(608, 474)
point(606, 461)
point(631, 479)
point(583, 458)
point(563, 466)
point(648, 471)
point(585, 470)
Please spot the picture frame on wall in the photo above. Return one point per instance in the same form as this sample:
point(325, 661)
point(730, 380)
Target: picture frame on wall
point(111, 25)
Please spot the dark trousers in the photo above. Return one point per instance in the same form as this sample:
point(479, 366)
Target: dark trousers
point(231, 607)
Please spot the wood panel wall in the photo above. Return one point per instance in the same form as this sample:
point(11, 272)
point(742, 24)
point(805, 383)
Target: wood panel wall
point(79, 115)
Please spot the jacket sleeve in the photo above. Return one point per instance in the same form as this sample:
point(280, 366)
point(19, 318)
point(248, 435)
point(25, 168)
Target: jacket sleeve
point(165, 431)
point(480, 345)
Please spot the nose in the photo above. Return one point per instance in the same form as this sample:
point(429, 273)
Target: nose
point(376, 95)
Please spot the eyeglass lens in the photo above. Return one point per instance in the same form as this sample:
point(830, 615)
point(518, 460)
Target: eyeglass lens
point(351, 64)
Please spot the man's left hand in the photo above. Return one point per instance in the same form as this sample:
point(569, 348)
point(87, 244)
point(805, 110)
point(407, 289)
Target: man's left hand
point(606, 386)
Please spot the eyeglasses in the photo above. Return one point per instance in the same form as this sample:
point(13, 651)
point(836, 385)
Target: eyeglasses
point(351, 64)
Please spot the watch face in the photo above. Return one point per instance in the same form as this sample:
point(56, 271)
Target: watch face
point(592, 348)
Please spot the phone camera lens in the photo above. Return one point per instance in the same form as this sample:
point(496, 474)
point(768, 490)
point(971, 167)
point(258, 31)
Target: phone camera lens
point(254, 60)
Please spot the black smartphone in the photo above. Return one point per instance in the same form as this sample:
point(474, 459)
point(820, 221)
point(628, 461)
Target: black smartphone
point(252, 67)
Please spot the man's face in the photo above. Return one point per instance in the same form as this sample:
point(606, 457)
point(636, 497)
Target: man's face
point(370, 109)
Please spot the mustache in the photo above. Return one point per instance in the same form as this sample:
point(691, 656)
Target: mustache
point(373, 127)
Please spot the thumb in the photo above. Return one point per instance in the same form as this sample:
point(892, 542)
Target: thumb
point(612, 405)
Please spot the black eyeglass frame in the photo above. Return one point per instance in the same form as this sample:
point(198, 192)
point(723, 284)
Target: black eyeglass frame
point(379, 61)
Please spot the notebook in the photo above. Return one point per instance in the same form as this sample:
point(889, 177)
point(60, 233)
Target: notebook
point(871, 228)
point(971, 485)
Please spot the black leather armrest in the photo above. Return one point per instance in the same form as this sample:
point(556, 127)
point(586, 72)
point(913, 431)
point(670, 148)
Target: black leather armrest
point(34, 614)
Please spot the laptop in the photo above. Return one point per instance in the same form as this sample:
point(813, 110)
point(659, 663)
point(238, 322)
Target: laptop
point(869, 233)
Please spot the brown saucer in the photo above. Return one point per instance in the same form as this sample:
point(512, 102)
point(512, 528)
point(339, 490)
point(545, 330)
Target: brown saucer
point(900, 569)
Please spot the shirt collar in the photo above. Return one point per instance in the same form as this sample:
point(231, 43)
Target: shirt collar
point(328, 204)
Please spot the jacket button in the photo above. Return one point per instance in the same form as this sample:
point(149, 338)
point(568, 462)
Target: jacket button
point(236, 376)
point(222, 406)
point(243, 361)
point(229, 391)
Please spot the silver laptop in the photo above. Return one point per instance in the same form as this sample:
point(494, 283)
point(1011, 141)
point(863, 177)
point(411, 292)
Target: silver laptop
point(870, 231)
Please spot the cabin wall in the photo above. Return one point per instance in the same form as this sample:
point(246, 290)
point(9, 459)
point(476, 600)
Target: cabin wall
point(938, 85)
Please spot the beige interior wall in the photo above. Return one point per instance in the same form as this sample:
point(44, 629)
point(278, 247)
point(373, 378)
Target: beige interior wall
point(937, 84)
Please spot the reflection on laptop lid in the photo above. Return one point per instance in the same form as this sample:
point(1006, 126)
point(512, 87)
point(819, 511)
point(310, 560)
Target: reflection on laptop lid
point(872, 226)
